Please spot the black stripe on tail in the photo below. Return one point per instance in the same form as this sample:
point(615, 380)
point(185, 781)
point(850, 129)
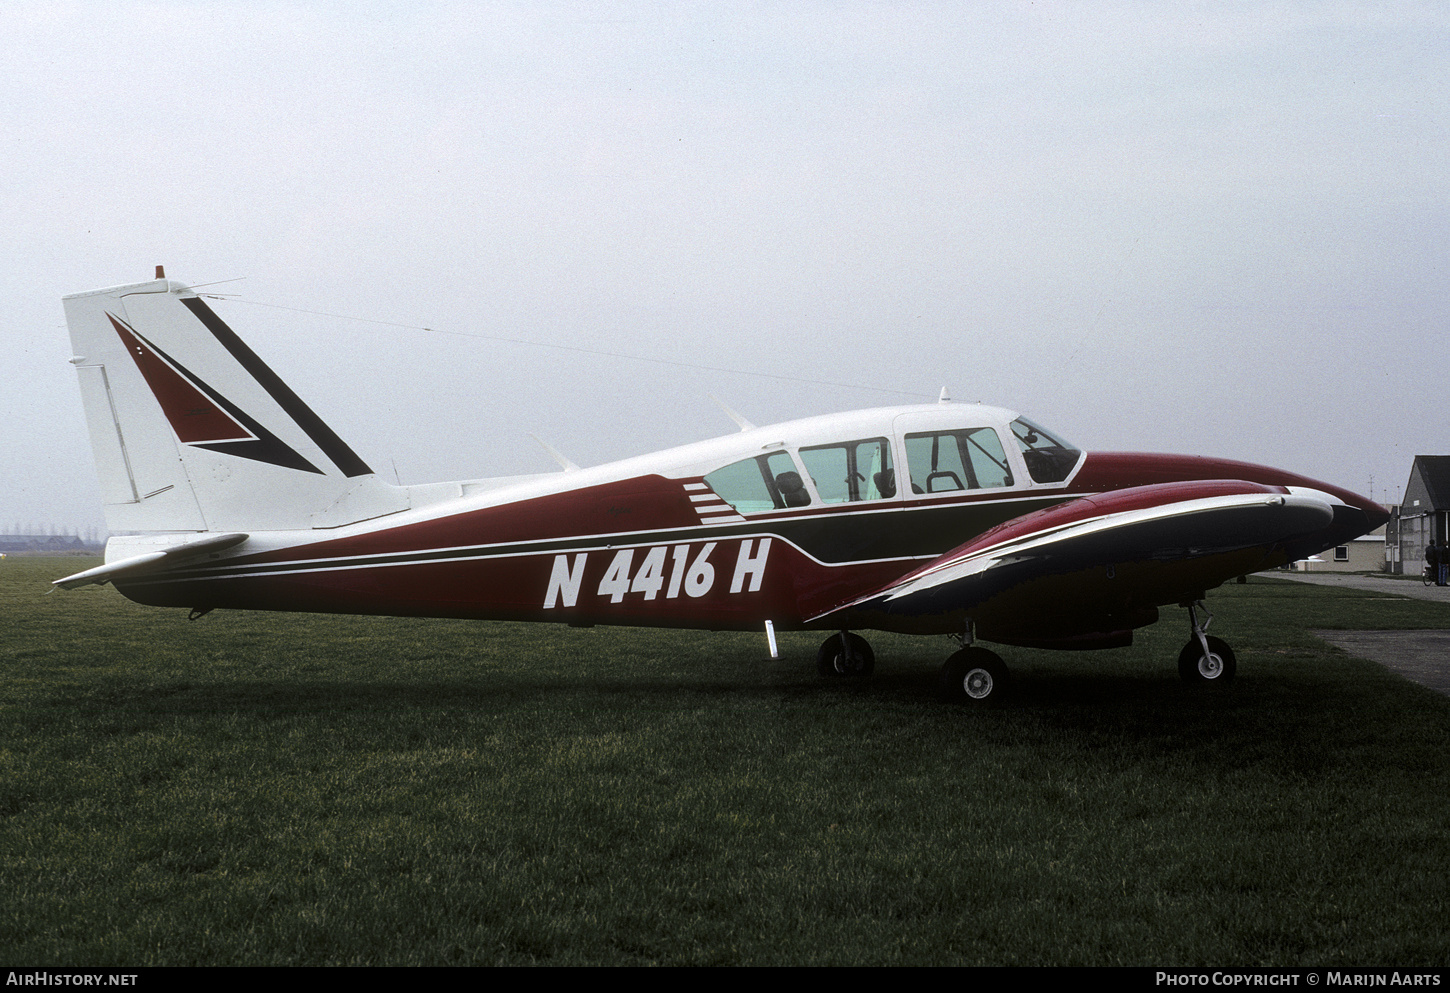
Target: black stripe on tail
point(323, 436)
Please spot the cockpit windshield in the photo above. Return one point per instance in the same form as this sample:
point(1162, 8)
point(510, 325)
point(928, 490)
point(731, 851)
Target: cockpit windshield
point(1048, 458)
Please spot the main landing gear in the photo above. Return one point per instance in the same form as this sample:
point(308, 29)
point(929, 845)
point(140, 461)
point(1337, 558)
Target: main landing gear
point(1205, 660)
point(973, 676)
point(845, 654)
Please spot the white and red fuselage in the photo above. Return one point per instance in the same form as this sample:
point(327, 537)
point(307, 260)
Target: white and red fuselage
point(648, 541)
point(918, 519)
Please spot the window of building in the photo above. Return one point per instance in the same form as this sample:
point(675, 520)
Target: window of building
point(1341, 553)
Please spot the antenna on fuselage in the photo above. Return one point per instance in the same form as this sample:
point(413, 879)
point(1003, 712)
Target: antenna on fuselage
point(740, 422)
point(944, 397)
point(554, 454)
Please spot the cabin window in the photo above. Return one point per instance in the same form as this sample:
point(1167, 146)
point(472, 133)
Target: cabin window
point(851, 471)
point(968, 459)
point(1048, 459)
point(766, 482)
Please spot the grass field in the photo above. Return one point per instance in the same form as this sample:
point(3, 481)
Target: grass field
point(291, 789)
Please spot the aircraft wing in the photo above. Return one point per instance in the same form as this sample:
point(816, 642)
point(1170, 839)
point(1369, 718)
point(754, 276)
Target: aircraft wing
point(1084, 573)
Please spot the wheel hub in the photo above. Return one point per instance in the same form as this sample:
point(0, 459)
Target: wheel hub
point(1210, 666)
point(977, 684)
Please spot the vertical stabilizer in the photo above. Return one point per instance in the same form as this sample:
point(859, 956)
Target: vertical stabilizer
point(192, 431)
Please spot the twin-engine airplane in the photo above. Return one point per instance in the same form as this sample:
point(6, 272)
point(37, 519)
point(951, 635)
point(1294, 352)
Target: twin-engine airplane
point(943, 518)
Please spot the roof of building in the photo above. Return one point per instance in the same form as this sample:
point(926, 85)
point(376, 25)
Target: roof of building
point(39, 542)
point(1434, 473)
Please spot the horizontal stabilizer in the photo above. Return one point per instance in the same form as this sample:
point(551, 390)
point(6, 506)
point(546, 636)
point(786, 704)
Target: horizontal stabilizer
point(136, 565)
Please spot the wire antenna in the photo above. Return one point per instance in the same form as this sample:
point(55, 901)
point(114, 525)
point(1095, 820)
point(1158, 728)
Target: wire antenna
point(591, 351)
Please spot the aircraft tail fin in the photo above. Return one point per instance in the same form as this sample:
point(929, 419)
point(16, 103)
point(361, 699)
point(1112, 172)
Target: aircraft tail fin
point(192, 431)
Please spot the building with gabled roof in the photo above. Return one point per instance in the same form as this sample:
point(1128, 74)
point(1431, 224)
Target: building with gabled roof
point(1367, 553)
point(1422, 517)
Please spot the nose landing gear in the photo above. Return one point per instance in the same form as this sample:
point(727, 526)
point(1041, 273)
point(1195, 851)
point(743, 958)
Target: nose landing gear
point(1205, 660)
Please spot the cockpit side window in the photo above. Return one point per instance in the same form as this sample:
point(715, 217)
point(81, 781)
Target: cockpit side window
point(851, 471)
point(766, 482)
point(965, 459)
point(1049, 460)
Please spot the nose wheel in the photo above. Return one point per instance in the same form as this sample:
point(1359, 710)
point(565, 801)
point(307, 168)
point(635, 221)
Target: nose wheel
point(1205, 660)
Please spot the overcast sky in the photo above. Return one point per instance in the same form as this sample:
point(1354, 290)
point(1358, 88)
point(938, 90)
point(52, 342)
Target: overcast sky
point(1217, 229)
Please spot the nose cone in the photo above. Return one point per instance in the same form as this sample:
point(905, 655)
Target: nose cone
point(1375, 515)
point(1354, 515)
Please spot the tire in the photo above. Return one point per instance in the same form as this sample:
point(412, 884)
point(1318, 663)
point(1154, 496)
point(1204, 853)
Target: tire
point(974, 677)
point(1217, 669)
point(833, 662)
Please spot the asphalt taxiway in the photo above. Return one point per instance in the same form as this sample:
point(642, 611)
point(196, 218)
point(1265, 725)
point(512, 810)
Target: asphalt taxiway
point(1423, 656)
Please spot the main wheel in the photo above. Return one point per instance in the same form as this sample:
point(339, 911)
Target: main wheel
point(849, 657)
point(974, 676)
point(1217, 667)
